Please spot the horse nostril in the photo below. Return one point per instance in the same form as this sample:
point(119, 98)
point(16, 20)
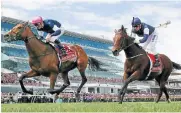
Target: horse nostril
point(6, 35)
point(115, 51)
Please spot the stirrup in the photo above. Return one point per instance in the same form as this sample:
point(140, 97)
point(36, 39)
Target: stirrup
point(156, 64)
point(63, 53)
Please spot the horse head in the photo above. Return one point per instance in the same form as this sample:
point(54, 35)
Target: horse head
point(19, 32)
point(119, 40)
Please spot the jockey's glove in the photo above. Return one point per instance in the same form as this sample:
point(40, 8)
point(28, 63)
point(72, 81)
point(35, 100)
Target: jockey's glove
point(136, 41)
point(62, 31)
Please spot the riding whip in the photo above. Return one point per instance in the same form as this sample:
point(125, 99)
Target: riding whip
point(132, 27)
point(164, 24)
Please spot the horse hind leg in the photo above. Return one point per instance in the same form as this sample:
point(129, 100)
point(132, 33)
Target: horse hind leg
point(82, 62)
point(160, 92)
point(163, 89)
point(81, 66)
point(65, 80)
point(166, 94)
point(162, 80)
point(84, 80)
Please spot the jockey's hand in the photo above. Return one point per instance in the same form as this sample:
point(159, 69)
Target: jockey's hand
point(48, 37)
point(41, 37)
point(137, 41)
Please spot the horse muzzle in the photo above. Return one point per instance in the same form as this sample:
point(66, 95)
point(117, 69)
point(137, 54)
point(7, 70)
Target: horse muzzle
point(9, 38)
point(115, 52)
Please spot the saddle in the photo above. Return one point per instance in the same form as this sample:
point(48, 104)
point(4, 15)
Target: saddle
point(153, 61)
point(154, 70)
point(69, 56)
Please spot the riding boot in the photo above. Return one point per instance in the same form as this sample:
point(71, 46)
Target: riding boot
point(63, 51)
point(157, 63)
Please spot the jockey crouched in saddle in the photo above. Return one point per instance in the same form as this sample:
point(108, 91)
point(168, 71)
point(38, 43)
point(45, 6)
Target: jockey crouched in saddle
point(53, 28)
point(149, 35)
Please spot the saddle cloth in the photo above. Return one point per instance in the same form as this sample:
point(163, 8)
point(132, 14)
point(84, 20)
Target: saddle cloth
point(70, 54)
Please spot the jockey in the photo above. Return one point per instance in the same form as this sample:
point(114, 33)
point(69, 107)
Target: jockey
point(149, 35)
point(53, 28)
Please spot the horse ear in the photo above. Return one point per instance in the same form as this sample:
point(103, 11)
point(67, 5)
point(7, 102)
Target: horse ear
point(115, 31)
point(122, 27)
point(26, 23)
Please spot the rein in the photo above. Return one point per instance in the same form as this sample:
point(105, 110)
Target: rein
point(128, 47)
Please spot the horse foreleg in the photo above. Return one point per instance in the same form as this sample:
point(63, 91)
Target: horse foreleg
point(66, 83)
point(123, 93)
point(31, 73)
point(84, 80)
point(53, 78)
point(125, 85)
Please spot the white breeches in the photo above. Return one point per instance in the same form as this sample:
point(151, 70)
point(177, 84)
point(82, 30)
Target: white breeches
point(53, 38)
point(150, 44)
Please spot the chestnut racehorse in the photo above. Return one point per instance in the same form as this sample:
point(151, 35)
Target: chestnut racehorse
point(43, 59)
point(137, 64)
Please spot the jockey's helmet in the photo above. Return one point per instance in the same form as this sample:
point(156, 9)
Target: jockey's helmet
point(136, 21)
point(37, 20)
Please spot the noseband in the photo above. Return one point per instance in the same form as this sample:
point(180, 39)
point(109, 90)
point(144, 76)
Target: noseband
point(123, 43)
point(18, 35)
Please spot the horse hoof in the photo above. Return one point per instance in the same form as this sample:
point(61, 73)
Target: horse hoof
point(77, 97)
point(120, 103)
point(51, 91)
point(29, 92)
point(169, 101)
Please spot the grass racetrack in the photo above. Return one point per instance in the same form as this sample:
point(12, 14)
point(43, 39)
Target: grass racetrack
point(93, 107)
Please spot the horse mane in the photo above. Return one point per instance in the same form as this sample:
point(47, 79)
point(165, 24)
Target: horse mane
point(39, 38)
point(131, 38)
point(138, 46)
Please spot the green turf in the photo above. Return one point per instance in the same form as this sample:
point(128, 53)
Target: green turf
point(93, 107)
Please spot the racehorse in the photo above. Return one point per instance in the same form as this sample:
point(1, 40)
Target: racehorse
point(43, 59)
point(138, 64)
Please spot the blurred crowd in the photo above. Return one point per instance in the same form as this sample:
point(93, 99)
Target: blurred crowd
point(12, 78)
point(19, 97)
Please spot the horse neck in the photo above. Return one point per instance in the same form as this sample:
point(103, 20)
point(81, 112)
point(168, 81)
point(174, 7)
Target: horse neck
point(34, 46)
point(132, 50)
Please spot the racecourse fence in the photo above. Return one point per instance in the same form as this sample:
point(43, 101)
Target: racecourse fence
point(83, 98)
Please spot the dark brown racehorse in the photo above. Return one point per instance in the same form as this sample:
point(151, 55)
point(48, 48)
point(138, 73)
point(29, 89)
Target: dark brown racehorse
point(43, 59)
point(137, 64)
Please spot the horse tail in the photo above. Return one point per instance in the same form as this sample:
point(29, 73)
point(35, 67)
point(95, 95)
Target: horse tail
point(176, 66)
point(94, 64)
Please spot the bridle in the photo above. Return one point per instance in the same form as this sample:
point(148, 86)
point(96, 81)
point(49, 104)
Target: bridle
point(18, 34)
point(26, 40)
point(123, 43)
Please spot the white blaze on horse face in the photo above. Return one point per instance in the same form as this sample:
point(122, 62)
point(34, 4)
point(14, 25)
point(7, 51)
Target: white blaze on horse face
point(116, 41)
